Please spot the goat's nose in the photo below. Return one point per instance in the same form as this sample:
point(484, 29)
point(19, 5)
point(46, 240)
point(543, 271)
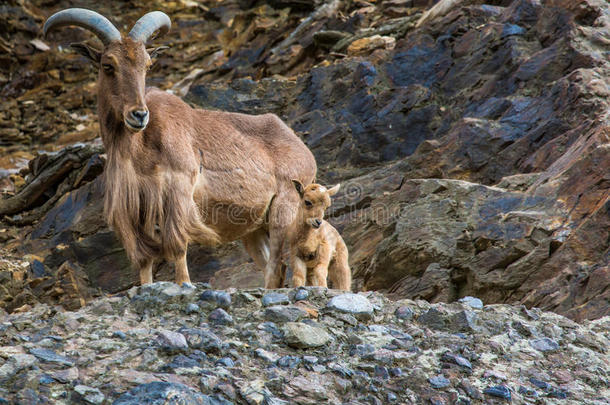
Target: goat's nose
point(139, 116)
point(318, 223)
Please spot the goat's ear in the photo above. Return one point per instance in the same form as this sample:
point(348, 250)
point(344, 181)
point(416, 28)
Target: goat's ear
point(299, 187)
point(88, 52)
point(154, 52)
point(333, 190)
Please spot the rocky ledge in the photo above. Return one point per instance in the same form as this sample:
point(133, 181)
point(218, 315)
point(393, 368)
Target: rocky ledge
point(168, 344)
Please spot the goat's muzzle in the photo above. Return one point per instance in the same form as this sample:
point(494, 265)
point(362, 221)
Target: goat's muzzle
point(315, 223)
point(137, 119)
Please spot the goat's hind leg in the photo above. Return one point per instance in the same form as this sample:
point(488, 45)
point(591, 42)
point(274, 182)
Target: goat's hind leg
point(257, 246)
point(281, 216)
point(339, 272)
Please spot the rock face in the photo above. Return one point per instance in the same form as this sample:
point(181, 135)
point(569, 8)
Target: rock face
point(472, 149)
point(142, 348)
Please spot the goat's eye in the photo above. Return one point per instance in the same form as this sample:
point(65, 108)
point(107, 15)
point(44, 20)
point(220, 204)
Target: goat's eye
point(108, 68)
point(308, 203)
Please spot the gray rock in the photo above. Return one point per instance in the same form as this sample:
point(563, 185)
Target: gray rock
point(162, 393)
point(269, 357)
point(472, 302)
point(274, 298)
point(191, 308)
point(304, 336)
point(499, 391)
point(433, 318)
point(439, 382)
point(171, 341)
point(49, 356)
point(283, 313)
point(463, 321)
point(404, 312)
point(218, 298)
point(301, 294)
point(354, 304)
point(166, 289)
point(220, 317)
point(544, 344)
point(90, 395)
point(202, 339)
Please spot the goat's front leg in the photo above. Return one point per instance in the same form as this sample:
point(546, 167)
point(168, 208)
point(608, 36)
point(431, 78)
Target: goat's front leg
point(273, 271)
point(145, 266)
point(299, 271)
point(320, 271)
point(182, 271)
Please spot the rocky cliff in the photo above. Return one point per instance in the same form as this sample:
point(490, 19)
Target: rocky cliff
point(472, 148)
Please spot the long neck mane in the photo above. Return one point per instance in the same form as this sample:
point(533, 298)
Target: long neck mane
point(132, 203)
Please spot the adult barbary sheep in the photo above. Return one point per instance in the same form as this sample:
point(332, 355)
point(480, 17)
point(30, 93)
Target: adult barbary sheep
point(175, 174)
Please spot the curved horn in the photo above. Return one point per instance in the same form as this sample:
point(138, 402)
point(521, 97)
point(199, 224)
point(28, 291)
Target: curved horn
point(94, 22)
point(148, 24)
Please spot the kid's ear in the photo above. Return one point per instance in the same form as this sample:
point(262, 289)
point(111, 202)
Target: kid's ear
point(332, 191)
point(88, 52)
point(299, 187)
point(154, 52)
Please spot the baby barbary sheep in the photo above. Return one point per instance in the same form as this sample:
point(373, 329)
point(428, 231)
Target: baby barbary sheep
point(317, 250)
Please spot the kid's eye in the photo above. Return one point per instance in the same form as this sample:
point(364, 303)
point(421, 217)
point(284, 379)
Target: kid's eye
point(308, 203)
point(108, 68)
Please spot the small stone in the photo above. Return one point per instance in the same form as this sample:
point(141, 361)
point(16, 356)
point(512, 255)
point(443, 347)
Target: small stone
point(472, 302)
point(391, 397)
point(219, 298)
point(354, 304)
point(470, 389)
point(274, 298)
point(158, 392)
point(171, 341)
point(202, 339)
point(404, 313)
point(557, 393)
point(526, 392)
point(433, 318)
point(282, 313)
point(540, 384)
point(225, 362)
point(44, 379)
point(191, 308)
point(119, 335)
point(269, 357)
point(301, 294)
point(255, 392)
point(220, 317)
point(66, 376)
point(90, 395)
point(365, 46)
point(382, 372)
point(464, 321)
point(457, 359)
point(288, 361)
point(500, 391)
point(49, 356)
point(395, 371)
point(304, 336)
point(544, 344)
point(439, 382)
point(310, 359)
point(512, 29)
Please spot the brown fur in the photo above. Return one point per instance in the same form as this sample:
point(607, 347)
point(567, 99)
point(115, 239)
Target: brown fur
point(317, 250)
point(192, 174)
